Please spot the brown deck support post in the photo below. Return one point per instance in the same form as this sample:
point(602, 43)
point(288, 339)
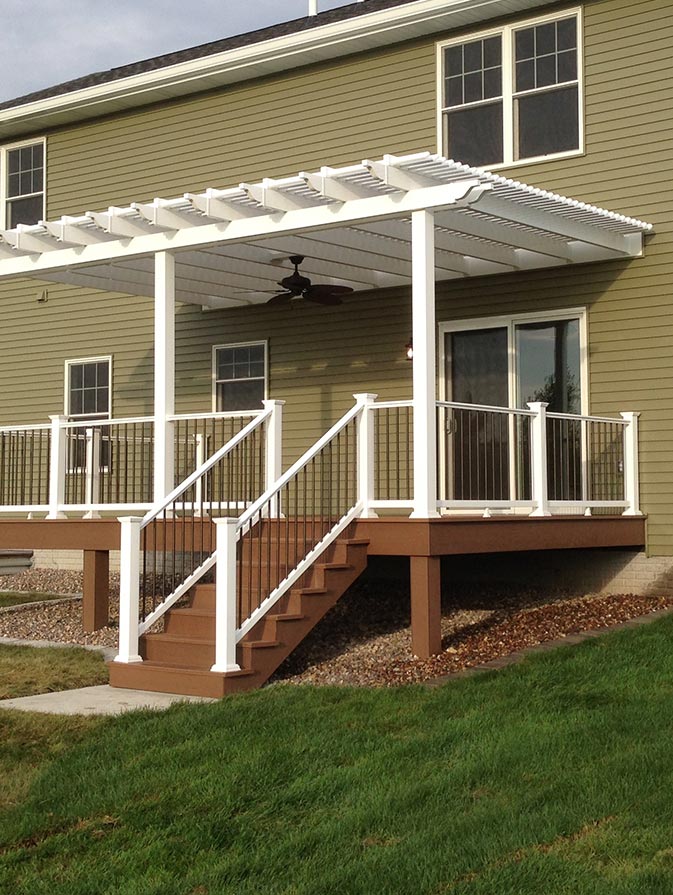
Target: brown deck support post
point(96, 595)
point(426, 605)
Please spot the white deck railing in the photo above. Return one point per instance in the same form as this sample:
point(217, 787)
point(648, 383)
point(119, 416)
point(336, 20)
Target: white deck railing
point(89, 467)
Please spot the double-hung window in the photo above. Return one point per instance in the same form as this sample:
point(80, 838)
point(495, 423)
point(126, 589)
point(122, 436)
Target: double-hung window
point(23, 183)
point(513, 94)
point(87, 397)
point(239, 374)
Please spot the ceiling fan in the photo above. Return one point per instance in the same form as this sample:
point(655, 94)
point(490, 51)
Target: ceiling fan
point(297, 286)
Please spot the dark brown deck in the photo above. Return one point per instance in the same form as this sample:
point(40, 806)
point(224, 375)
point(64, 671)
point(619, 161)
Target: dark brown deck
point(423, 540)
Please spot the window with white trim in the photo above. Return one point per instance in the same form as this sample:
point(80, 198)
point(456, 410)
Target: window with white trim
point(23, 183)
point(88, 388)
point(513, 94)
point(239, 373)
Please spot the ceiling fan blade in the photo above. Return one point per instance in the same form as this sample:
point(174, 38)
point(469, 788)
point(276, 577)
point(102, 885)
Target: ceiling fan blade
point(255, 291)
point(321, 298)
point(321, 289)
point(283, 298)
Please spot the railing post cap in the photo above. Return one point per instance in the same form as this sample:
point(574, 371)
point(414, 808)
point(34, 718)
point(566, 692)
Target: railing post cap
point(225, 520)
point(365, 397)
point(58, 418)
point(537, 406)
point(629, 414)
point(269, 403)
point(128, 520)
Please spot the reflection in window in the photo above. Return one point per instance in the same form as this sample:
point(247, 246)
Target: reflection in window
point(548, 365)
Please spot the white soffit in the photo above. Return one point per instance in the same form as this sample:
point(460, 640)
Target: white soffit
point(362, 32)
point(351, 224)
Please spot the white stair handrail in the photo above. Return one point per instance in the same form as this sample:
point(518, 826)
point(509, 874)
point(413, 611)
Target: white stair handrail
point(191, 480)
point(296, 467)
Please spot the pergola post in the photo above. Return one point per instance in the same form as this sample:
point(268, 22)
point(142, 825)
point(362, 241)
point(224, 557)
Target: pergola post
point(424, 375)
point(164, 374)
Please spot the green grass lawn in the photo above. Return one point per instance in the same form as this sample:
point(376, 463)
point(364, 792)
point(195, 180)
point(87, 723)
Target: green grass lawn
point(554, 776)
point(16, 598)
point(26, 670)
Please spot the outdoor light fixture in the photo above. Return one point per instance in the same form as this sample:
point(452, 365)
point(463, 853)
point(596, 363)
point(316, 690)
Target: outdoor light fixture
point(409, 347)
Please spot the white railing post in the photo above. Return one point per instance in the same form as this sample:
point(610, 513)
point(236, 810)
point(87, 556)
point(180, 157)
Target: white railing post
point(273, 450)
point(631, 479)
point(225, 596)
point(538, 435)
point(92, 471)
point(199, 460)
point(129, 590)
point(365, 463)
point(57, 464)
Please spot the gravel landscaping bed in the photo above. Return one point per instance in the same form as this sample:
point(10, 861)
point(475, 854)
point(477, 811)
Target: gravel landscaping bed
point(62, 622)
point(365, 640)
point(355, 646)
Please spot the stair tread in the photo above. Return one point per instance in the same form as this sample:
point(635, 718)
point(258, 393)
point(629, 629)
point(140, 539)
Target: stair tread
point(192, 612)
point(260, 644)
point(286, 616)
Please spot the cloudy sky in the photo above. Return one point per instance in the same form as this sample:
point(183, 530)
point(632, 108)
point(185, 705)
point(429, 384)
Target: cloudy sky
point(43, 42)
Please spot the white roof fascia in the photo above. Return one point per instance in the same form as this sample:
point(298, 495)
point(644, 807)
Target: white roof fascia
point(363, 32)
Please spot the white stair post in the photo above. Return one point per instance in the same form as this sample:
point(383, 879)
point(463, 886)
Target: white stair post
point(538, 437)
point(129, 590)
point(366, 468)
point(225, 596)
point(631, 479)
point(164, 374)
point(424, 374)
point(57, 464)
point(92, 474)
point(273, 450)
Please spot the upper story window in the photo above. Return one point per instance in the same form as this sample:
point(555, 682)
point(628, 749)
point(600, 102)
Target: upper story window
point(23, 193)
point(514, 94)
point(239, 373)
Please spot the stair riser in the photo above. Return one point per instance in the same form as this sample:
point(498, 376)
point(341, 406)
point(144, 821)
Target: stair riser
point(198, 627)
point(194, 655)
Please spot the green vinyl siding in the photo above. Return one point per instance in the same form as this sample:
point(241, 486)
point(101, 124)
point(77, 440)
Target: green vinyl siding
point(339, 113)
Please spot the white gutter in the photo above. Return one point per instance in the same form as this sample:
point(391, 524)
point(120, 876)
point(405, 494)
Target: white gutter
point(364, 32)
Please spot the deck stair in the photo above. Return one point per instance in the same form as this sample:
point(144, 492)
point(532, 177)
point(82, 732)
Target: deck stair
point(178, 660)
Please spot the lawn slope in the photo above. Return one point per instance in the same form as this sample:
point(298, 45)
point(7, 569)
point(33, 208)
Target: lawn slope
point(554, 776)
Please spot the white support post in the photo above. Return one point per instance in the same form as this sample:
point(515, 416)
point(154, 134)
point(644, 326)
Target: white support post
point(274, 450)
point(424, 375)
point(57, 464)
point(631, 480)
point(538, 437)
point(365, 464)
point(92, 473)
point(199, 460)
point(225, 596)
point(164, 374)
point(129, 590)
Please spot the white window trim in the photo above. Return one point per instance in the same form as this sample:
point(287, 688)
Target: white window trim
point(4, 174)
point(510, 322)
point(66, 396)
point(507, 33)
point(213, 366)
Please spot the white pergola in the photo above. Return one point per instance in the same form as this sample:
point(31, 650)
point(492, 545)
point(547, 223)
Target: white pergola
point(395, 222)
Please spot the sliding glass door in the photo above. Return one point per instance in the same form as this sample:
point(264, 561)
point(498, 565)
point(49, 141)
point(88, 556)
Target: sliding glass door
point(509, 363)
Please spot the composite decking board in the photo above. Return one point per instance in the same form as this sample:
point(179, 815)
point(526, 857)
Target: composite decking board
point(388, 536)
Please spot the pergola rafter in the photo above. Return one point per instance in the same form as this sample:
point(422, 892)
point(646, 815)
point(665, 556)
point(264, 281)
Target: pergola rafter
point(353, 224)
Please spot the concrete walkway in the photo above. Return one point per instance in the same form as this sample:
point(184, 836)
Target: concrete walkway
point(103, 700)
